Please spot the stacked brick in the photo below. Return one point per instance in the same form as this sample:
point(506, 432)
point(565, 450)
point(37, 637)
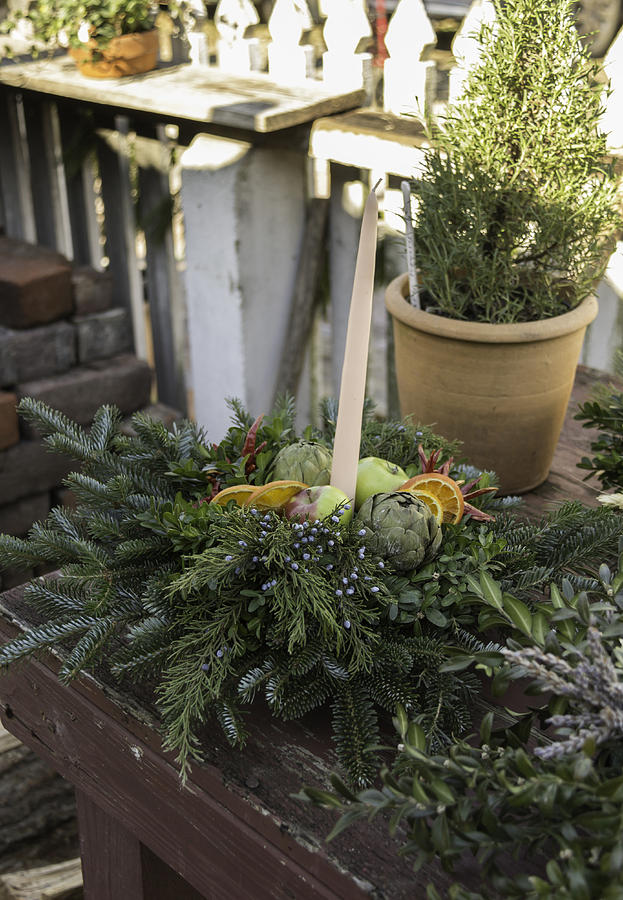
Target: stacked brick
point(63, 342)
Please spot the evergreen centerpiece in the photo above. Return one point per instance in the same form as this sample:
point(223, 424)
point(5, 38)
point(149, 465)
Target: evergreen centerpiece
point(180, 564)
point(514, 222)
point(183, 567)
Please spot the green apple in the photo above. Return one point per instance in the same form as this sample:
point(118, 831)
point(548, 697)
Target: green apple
point(375, 476)
point(318, 503)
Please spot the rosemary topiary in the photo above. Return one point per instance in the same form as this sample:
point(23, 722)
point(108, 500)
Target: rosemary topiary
point(516, 203)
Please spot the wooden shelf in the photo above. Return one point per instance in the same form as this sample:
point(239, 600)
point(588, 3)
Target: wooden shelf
point(197, 93)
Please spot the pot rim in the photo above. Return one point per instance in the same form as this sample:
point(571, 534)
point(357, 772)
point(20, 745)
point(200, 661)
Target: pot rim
point(485, 332)
point(148, 37)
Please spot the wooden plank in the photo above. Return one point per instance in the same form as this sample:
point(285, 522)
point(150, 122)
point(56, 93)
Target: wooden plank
point(80, 178)
point(191, 830)
point(17, 201)
point(253, 103)
point(56, 178)
point(120, 229)
point(302, 309)
point(164, 288)
point(110, 854)
point(55, 882)
point(160, 882)
point(369, 140)
point(42, 195)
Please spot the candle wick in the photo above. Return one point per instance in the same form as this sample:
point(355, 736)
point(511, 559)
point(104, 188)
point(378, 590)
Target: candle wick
point(376, 185)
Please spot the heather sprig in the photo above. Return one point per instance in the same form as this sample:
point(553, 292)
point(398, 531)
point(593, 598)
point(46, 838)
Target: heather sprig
point(593, 688)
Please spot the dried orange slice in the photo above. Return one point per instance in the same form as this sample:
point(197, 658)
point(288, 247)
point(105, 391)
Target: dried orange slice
point(444, 488)
point(431, 500)
point(239, 493)
point(275, 494)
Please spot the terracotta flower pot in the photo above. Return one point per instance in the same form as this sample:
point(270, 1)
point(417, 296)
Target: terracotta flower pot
point(502, 390)
point(128, 54)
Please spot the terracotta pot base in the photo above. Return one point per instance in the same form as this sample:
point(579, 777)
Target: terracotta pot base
point(128, 54)
point(502, 390)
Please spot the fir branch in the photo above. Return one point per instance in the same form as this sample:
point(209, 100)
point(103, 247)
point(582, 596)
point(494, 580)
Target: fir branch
point(17, 553)
point(355, 731)
point(49, 421)
point(44, 636)
point(231, 721)
point(54, 596)
point(253, 680)
point(90, 647)
point(300, 695)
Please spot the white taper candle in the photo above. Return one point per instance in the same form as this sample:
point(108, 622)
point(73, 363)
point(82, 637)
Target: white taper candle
point(353, 383)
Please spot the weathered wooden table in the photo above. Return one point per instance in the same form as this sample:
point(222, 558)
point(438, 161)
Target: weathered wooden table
point(234, 831)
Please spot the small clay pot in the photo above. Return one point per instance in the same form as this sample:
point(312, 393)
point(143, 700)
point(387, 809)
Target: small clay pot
point(128, 54)
point(502, 390)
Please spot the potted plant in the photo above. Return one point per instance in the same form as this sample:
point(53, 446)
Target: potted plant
point(106, 38)
point(513, 225)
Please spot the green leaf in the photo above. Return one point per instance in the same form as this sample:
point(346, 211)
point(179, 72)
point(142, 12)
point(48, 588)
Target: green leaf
point(456, 663)
point(416, 736)
point(442, 791)
point(491, 591)
point(436, 617)
point(556, 597)
point(322, 798)
point(519, 613)
point(540, 627)
point(485, 728)
point(345, 821)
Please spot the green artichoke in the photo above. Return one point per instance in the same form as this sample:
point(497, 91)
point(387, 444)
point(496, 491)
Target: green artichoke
point(303, 461)
point(400, 529)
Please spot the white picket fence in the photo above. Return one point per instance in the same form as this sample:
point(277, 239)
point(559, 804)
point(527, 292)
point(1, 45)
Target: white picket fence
point(220, 289)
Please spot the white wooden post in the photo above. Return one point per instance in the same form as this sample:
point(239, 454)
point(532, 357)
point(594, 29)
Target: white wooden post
point(405, 73)
point(194, 17)
point(612, 119)
point(465, 46)
point(19, 213)
point(232, 19)
point(86, 233)
point(346, 28)
point(114, 162)
point(164, 284)
point(57, 180)
point(289, 61)
point(243, 218)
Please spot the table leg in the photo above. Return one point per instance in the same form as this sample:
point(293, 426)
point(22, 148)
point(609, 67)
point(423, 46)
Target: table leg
point(111, 855)
point(116, 866)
